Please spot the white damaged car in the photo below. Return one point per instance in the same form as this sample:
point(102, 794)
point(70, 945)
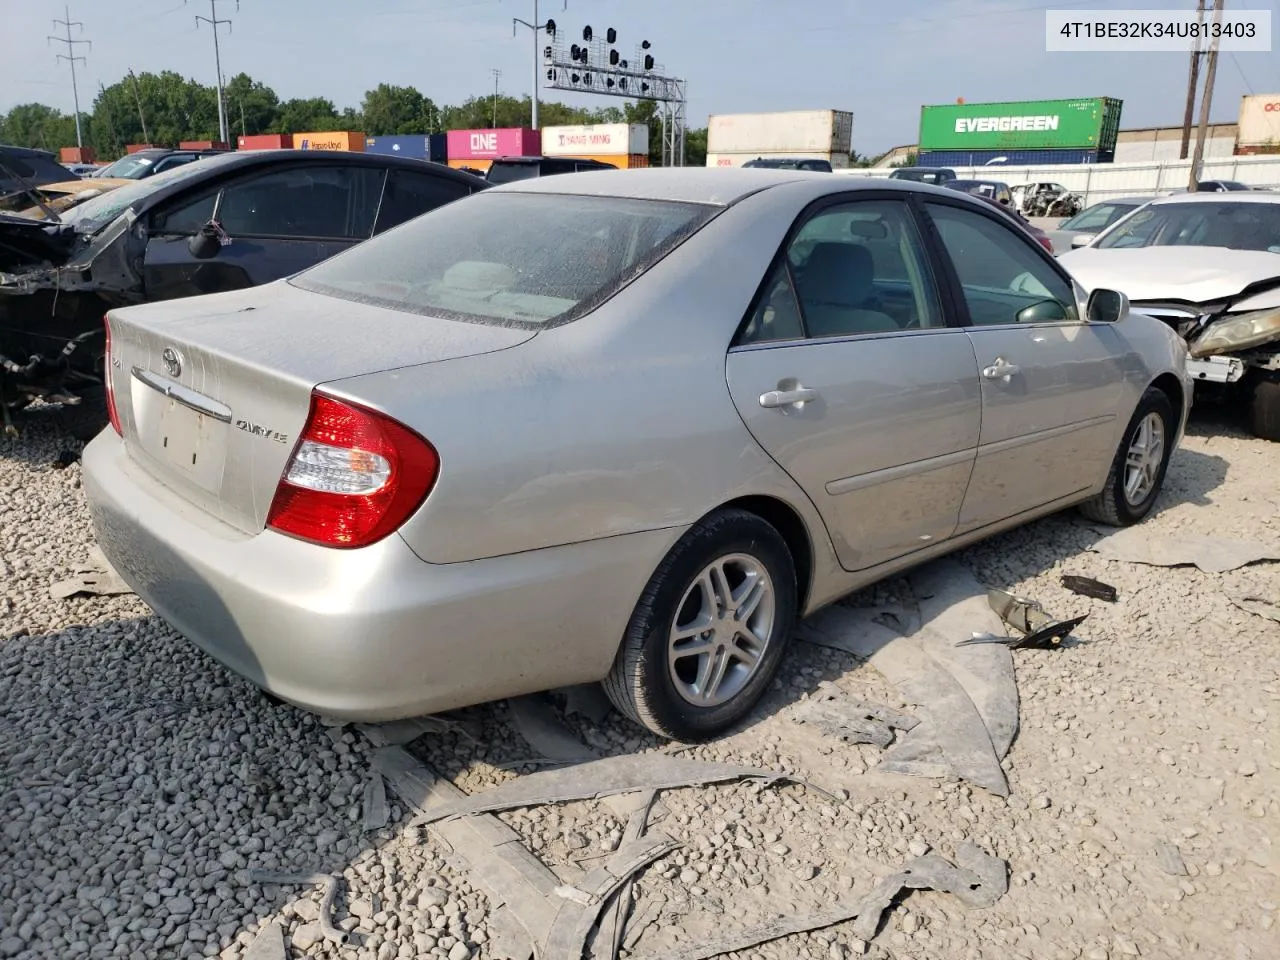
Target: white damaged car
point(1209, 266)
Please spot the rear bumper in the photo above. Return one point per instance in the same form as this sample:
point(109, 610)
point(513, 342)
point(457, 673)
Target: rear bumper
point(370, 634)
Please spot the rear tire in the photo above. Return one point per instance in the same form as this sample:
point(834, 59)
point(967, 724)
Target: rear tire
point(1137, 472)
point(1264, 409)
point(709, 631)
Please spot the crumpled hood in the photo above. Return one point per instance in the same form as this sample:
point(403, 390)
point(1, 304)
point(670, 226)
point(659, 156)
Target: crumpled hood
point(26, 243)
point(1193, 274)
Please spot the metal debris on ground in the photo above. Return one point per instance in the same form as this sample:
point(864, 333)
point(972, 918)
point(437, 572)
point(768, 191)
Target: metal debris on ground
point(330, 882)
point(596, 779)
point(1210, 554)
point(1089, 587)
point(94, 578)
point(375, 812)
point(1169, 859)
point(967, 696)
point(535, 720)
point(1039, 630)
point(835, 713)
point(399, 732)
point(613, 921)
point(268, 944)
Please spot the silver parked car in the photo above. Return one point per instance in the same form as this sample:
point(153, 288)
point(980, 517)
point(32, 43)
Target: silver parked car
point(619, 426)
point(1077, 231)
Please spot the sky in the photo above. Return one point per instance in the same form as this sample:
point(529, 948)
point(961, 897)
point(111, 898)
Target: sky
point(881, 61)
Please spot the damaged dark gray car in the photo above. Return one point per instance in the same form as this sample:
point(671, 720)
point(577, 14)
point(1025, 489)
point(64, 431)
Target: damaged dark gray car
point(229, 222)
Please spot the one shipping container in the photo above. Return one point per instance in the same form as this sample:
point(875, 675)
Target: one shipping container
point(135, 147)
point(601, 140)
point(1027, 125)
point(266, 141)
point(488, 144)
point(1259, 124)
point(77, 155)
point(838, 161)
point(795, 131)
point(419, 146)
point(203, 145)
point(1012, 158)
point(344, 140)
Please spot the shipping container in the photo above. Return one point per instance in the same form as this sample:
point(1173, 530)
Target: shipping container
point(838, 161)
point(1259, 120)
point(77, 155)
point(488, 144)
point(1012, 158)
point(1091, 124)
point(419, 146)
point(598, 140)
point(342, 140)
point(471, 163)
point(203, 145)
point(627, 161)
point(266, 141)
point(791, 132)
point(135, 147)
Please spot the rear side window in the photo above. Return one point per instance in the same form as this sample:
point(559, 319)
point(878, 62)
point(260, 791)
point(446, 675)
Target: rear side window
point(410, 195)
point(511, 172)
point(313, 201)
point(510, 258)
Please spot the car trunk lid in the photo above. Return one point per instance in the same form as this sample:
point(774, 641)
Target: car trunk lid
point(213, 392)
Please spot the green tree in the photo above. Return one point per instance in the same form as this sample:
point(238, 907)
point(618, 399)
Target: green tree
point(389, 110)
point(306, 116)
point(252, 106)
point(40, 126)
point(910, 160)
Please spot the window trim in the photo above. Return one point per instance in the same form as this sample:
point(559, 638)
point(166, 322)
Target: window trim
point(811, 210)
point(255, 173)
point(952, 277)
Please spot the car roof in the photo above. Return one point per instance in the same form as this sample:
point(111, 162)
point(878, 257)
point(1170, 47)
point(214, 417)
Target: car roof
point(713, 185)
point(1240, 196)
point(16, 151)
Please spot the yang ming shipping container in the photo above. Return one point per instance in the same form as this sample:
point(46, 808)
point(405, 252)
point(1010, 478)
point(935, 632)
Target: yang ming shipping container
point(419, 146)
point(792, 133)
point(1037, 125)
point(598, 140)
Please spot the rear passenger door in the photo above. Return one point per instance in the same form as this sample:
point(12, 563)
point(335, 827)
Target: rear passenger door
point(848, 375)
point(410, 194)
point(1051, 381)
point(274, 223)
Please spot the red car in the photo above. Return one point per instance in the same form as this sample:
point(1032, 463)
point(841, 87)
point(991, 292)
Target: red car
point(1027, 225)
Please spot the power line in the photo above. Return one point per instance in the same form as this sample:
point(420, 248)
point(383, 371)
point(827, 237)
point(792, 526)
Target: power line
point(214, 22)
point(71, 58)
point(1240, 70)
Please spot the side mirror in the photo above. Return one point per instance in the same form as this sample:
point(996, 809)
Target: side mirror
point(1106, 306)
point(1042, 311)
point(1082, 240)
point(204, 244)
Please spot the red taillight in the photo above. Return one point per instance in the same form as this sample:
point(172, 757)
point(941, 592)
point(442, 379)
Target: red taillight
point(355, 476)
point(1045, 242)
point(112, 413)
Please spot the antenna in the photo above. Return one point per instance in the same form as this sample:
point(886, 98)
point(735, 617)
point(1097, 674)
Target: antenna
point(71, 58)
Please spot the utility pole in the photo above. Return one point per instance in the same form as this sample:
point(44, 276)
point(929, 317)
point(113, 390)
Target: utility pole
point(496, 74)
point(71, 58)
point(137, 98)
point(537, 28)
point(214, 22)
point(1192, 80)
point(1206, 100)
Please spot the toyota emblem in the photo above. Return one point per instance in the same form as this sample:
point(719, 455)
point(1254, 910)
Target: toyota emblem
point(172, 361)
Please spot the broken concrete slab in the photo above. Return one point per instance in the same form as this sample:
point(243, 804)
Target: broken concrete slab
point(1210, 554)
point(1256, 605)
point(536, 722)
point(375, 811)
point(835, 713)
point(1169, 859)
point(268, 944)
point(593, 780)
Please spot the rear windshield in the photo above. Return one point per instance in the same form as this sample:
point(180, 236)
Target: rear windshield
point(510, 258)
point(1225, 223)
point(511, 172)
point(131, 167)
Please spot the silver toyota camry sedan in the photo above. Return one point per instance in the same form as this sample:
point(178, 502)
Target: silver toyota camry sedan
point(619, 426)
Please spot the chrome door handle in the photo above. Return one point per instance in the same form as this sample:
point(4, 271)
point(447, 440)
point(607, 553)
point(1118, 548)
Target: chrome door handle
point(1000, 370)
point(785, 398)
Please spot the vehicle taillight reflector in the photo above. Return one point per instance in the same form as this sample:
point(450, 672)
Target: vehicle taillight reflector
point(109, 381)
point(355, 476)
point(1046, 243)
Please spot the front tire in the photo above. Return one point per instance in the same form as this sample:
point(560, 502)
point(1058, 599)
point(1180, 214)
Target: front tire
point(1137, 472)
point(1264, 409)
point(710, 629)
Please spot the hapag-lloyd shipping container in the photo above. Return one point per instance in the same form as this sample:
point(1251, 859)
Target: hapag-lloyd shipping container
point(344, 140)
point(814, 133)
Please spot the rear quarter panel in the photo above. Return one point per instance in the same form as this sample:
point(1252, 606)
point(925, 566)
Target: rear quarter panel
point(617, 422)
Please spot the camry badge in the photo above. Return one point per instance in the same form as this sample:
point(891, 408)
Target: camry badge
point(172, 361)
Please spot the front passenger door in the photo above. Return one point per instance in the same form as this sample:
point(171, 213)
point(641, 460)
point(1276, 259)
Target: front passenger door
point(848, 376)
point(1051, 381)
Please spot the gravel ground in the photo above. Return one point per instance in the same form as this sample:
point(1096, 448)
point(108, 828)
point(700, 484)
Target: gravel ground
point(139, 780)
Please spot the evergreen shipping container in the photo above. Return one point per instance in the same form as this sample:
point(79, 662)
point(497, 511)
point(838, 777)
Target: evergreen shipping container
point(1087, 124)
point(419, 146)
point(1013, 158)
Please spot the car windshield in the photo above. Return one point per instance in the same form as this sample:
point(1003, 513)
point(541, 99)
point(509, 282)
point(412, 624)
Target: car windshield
point(511, 172)
point(1098, 216)
point(94, 214)
point(510, 258)
point(1234, 225)
point(132, 167)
